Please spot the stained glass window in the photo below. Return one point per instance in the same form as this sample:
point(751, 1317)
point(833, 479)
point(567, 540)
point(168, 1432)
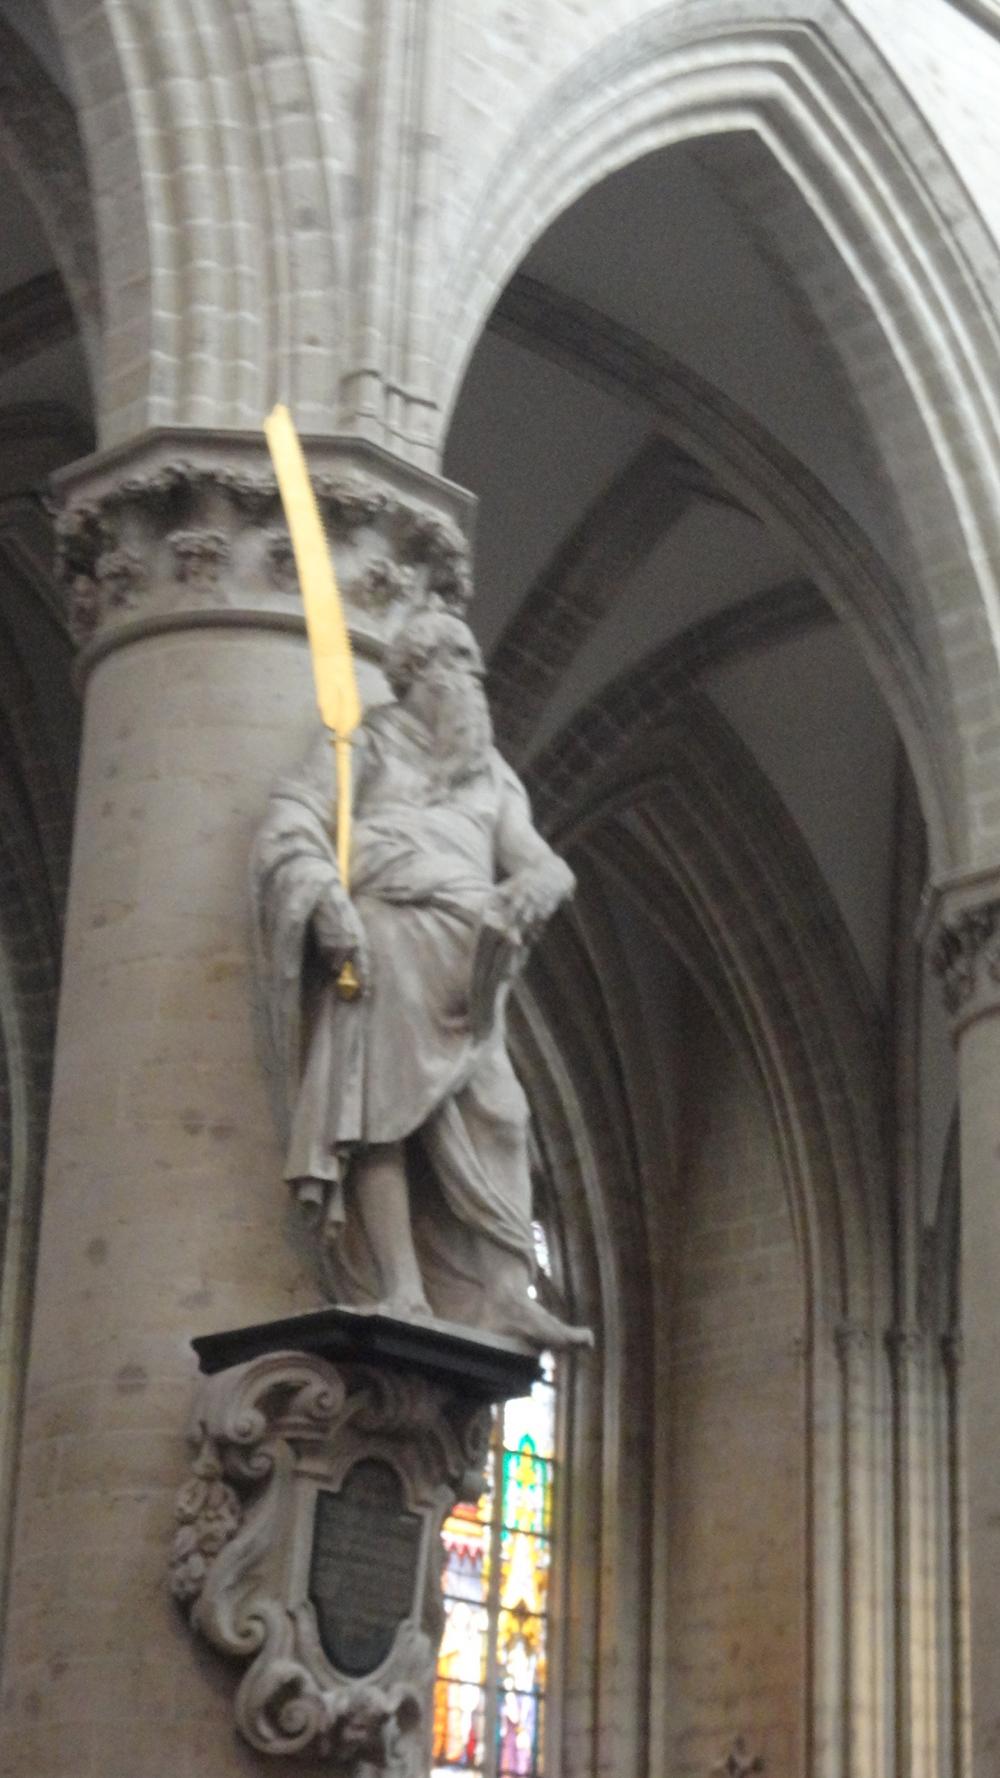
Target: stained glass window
point(489, 1702)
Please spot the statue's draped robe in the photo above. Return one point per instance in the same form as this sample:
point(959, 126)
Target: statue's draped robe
point(401, 1062)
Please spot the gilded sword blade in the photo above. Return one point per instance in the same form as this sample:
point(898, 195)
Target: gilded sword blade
point(329, 643)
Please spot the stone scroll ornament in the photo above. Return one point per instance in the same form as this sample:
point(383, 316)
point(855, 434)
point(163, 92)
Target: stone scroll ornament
point(308, 1545)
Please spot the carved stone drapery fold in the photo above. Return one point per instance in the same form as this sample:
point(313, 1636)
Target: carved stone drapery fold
point(188, 526)
point(271, 1437)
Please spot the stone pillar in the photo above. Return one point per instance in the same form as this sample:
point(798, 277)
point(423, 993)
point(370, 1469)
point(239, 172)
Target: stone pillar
point(164, 1213)
point(919, 1607)
point(965, 953)
point(956, 1561)
point(855, 1351)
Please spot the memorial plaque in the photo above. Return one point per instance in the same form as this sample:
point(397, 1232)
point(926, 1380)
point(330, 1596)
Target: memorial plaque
point(364, 1567)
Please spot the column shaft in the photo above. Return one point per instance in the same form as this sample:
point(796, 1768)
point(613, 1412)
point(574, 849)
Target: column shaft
point(164, 1212)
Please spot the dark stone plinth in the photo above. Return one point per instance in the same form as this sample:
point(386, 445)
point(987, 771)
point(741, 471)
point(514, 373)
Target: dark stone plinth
point(488, 1366)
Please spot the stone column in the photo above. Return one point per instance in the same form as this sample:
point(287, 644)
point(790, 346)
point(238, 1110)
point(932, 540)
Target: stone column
point(164, 1213)
point(965, 953)
point(855, 1351)
point(918, 1602)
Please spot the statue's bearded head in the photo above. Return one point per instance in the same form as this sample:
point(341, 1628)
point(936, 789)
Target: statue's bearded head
point(435, 669)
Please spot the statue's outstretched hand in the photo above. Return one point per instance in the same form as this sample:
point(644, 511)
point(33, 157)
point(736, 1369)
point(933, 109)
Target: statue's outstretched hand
point(340, 935)
point(523, 904)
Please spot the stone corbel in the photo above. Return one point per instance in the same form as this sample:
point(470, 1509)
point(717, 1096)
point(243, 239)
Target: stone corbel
point(295, 1457)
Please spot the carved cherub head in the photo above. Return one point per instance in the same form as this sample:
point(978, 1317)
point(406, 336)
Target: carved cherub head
point(358, 1732)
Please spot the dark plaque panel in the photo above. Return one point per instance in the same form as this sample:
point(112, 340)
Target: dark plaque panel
point(363, 1572)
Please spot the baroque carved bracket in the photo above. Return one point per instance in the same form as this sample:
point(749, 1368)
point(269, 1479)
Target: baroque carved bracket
point(188, 527)
point(308, 1545)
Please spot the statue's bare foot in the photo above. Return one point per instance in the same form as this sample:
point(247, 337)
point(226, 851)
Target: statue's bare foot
point(525, 1319)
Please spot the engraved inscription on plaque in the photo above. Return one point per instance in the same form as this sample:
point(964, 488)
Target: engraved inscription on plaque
point(364, 1567)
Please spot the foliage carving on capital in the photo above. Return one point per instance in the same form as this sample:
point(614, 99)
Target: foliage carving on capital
point(120, 574)
point(381, 583)
point(276, 1442)
point(280, 559)
point(83, 608)
point(429, 538)
point(965, 955)
point(351, 502)
point(199, 557)
point(186, 534)
point(81, 538)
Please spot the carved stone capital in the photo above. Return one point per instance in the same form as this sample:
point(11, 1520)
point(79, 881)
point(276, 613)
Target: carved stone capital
point(964, 947)
point(186, 527)
point(292, 1455)
point(199, 558)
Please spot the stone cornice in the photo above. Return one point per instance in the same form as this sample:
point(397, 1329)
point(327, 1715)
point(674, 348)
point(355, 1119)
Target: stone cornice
point(184, 528)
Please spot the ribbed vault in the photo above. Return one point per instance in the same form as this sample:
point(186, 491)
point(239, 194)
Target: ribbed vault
point(683, 825)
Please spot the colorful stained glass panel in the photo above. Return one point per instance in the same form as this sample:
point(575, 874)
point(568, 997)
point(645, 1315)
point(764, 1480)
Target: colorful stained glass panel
point(524, 1572)
point(533, 1419)
point(492, 1667)
point(464, 1644)
point(527, 1490)
point(467, 1559)
point(459, 1728)
point(519, 1735)
point(521, 1652)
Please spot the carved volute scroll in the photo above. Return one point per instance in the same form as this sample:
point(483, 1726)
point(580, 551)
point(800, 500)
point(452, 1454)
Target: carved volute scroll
point(194, 532)
point(308, 1545)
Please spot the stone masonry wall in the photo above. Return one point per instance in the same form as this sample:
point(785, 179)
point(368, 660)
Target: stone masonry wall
point(736, 1535)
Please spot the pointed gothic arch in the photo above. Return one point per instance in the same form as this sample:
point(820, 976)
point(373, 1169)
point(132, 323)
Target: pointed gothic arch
point(861, 203)
point(669, 827)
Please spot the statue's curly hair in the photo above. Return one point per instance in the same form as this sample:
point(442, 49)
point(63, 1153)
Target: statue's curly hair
point(416, 641)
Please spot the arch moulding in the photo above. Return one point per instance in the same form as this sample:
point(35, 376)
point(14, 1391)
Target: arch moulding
point(861, 221)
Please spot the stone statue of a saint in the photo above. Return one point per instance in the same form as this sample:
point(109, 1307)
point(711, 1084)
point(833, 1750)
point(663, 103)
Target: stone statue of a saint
point(407, 1128)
